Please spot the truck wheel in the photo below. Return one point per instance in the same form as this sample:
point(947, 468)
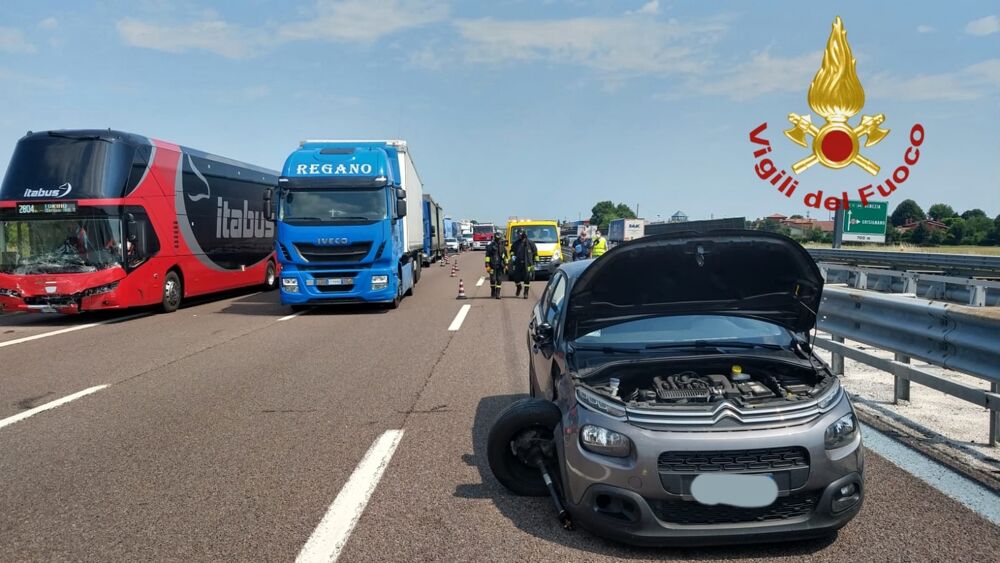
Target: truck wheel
point(416, 272)
point(271, 277)
point(173, 291)
point(527, 419)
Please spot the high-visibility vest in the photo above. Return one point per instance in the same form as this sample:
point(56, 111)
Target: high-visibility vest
point(600, 247)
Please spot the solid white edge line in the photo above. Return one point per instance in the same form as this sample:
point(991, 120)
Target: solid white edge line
point(459, 318)
point(68, 329)
point(970, 494)
point(292, 316)
point(480, 282)
point(333, 531)
point(21, 416)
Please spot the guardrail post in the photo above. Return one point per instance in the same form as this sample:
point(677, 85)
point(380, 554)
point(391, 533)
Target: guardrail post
point(977, 295)
point(861, 280)
point(901, 385)
point(994, 419)
point(837, 360)
point(910, 283)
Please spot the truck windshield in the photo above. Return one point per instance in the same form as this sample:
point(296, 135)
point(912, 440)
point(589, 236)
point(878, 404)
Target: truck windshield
point(40, 245)
point(540, 233)
point(333, 206)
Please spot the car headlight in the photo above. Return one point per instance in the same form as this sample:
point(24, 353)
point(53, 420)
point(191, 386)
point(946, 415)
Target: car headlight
point(380, 282)
point(605, 442)
point(557, 256)
point(9, 292)
point(841, 432)
point(290, 285)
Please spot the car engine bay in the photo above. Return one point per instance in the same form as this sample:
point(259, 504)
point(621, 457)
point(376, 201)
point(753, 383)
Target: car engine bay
point(691, 383)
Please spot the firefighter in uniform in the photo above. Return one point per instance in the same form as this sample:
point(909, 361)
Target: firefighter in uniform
point(496, 260)
point(522, 262)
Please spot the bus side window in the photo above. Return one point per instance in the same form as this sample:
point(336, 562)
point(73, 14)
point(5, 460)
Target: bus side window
point(142, 241)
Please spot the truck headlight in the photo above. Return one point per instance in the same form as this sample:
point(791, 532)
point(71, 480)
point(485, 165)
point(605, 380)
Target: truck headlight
point(841, 432)
point(605, 442)
point(9, 292)
point(380, 282)
point(290, 285)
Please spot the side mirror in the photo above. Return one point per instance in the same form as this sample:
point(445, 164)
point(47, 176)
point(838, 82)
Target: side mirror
point(268, 209)
point(401, 208)
point(543, 333)
point(400, 193)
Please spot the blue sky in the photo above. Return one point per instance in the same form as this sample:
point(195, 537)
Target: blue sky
point(522, 108)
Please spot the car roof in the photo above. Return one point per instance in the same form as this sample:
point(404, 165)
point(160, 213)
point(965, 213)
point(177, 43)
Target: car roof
point(575, 268)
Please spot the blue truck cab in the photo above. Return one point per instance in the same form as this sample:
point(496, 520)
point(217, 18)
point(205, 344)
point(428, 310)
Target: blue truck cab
point(345, 230)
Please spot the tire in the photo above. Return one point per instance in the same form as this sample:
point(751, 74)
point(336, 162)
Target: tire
point(512, 473)
point(173, 293)
point(299, 308)
point(416, 272)
point(270, 277)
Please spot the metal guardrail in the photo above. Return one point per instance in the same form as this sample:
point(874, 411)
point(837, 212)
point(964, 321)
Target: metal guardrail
point(954, 337)
point(965, 290)
point(958, 264)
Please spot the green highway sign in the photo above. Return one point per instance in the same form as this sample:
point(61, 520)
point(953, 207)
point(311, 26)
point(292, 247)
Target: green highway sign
point(865, 223)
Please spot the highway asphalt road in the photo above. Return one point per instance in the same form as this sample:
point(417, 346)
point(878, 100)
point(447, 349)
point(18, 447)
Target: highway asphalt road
point(225, 432)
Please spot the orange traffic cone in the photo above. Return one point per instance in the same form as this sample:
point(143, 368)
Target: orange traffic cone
point(454, 272)
point(461, 290)
point(441, 263)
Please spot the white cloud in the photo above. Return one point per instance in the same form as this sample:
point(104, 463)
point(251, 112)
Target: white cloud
point(361, 20)
point(213, 35)
point(49, 23)
point(983, 26)
point(973, 82)
point(651, 8)
point(925, 29)
point(615, 46)
point(330, 20)
point(13, 41)
point(764, 74)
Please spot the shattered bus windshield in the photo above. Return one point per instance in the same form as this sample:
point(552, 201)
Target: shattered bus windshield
point(39, 245)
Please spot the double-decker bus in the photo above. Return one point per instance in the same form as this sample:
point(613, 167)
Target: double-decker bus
point(101, 219)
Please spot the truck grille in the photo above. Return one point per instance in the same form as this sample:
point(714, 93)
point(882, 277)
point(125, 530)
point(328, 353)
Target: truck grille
point(353, 252)
point(765, 459)
point(690, 512)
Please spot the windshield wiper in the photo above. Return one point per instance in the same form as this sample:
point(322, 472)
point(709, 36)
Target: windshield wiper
point(358, 218)
point(607, 349)
point(78, 137)
point(304, 219)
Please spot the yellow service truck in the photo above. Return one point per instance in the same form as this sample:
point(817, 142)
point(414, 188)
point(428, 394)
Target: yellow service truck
point(545, 235)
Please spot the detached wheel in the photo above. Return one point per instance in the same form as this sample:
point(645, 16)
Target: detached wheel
point(524, 424)
point(271, 277)
point(172, 293)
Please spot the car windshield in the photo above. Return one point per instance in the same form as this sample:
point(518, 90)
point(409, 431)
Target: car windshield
point(333, 206)
point(450, 240)
point(688, 329)
point(60, 246)
point(539, 233)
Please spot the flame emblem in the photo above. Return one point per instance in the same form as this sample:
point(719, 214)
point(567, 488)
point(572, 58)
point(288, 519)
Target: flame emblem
point(836, 95)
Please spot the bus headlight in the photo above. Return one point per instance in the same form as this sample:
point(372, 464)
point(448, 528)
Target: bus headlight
point(380, 282)
point(290, 285)
point(9, 292)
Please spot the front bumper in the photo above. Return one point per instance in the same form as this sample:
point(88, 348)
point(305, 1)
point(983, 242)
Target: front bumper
point(61, 304)
point(312, 288)
point(634, 500)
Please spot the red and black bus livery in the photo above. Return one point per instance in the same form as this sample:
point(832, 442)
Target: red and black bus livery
point(101, 219)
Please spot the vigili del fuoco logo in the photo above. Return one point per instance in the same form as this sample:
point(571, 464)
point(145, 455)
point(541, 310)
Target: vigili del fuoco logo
point(836, 95)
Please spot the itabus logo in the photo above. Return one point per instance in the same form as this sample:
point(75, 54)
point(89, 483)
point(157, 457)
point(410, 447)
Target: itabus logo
point(836, 95)
point(61, 191)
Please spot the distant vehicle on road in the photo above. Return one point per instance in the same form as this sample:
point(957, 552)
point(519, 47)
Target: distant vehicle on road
point(451, 244)
point(675, 400)
point(545, 235)
point(101, 219)
point(434, 233)
point(482, 234)
point(345, 231)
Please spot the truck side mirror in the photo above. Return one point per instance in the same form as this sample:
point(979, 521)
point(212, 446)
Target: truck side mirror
point(268, 209)
point(400, 193)
point(400, 208)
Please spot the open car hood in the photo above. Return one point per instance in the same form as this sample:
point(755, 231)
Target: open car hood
point(743, 273)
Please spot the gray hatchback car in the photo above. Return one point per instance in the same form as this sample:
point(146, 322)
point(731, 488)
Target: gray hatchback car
point(675, 397)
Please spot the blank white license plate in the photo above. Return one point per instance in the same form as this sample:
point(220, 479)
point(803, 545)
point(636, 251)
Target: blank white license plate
point(734, 489)
point(335, 281)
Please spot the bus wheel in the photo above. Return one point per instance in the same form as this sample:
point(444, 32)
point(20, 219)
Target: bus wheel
point(172, 292)
point(270, 277)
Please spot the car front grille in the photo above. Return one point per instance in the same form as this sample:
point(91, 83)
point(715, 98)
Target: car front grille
point(691, 512)
point(353, 252)
point(739, 461)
